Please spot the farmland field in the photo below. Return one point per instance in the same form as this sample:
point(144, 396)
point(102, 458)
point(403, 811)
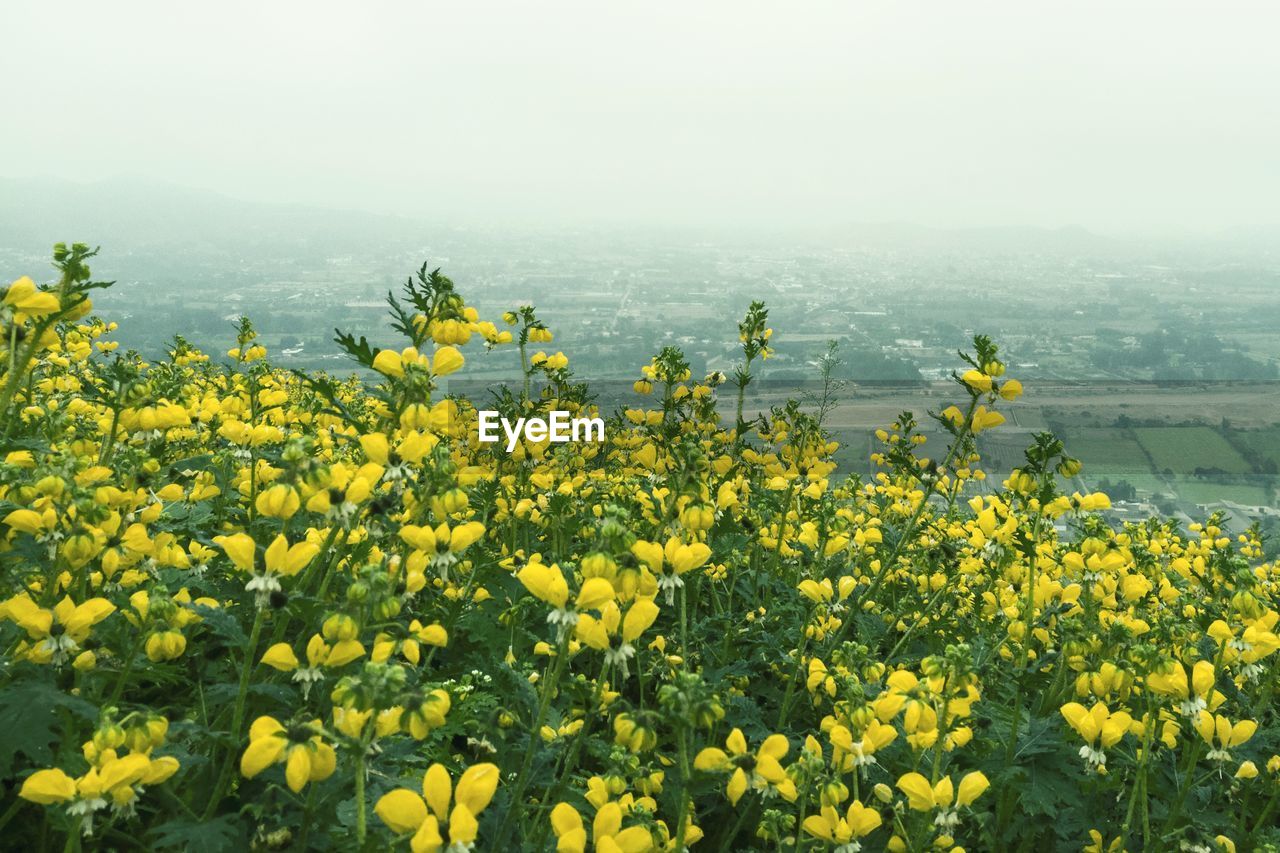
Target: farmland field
point(1204, 492)
point(1183, 449)
point(1264, 442)
point(1110, 448)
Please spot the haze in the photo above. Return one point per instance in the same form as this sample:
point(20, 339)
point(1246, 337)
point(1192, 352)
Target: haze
point(1127, 118)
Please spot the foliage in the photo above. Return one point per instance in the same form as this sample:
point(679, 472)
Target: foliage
point(242, 607)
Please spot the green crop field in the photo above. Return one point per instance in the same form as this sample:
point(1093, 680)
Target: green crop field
point(1266, 442)
point(1144, 481)
point(1204, 492)
point(1107, 448)
point(1029, 417)
point(1184, 449)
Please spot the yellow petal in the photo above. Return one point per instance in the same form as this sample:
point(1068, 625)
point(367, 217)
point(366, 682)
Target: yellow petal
point(388, 363)
point(594, 593)
point(862, 820)
point(260, 755)
point(160, 770)
point(427, 839)
point(437, 788)
point(447, 360)
point(1241, 732)
point(464, 534)
point(607, 822)
point(546, 583)
point(971, 787)
point(463, 826)
point(737, 786)
point(402, 810)
point(918, 790)
point(323, 761)
point(736, 743)
point(640, 616)
point(775, 746)
point(711, 759)
point(264, 726)
point(239, 548)
point(48, 786)
point(298, 768)
point(943, 792)
point(344, 653)
point(281, 657)
point(636, 839)
point(1202, 677)
point(565, 819)
point(476, 787)
point(818, 828)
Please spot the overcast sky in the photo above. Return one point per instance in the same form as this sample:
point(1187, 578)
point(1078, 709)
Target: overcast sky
point(1119, 116)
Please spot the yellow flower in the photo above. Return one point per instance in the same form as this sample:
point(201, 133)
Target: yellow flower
point(1194, 693)
point(281, 657)
point(977, 380)
point(285, 559)
point(443, 544)
point(924, 797)
point(606, 831)
point(48, 786)
point(547, 583)
point(279, 501)
point(972, 786)
point(1221, 734)
point(165, 645)
point(306, 756)
point(830, 826)
point(985, 420)
point(30, 521)
point(1099, 727)
point(239, 548)
point(446, 360)
point(405, 812)
point(1010, 389)
point(393, 364)
point(57, 632)
point(23, 297)
point(761, 771)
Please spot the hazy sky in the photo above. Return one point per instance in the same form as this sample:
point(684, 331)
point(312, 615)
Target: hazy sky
point(1115, 115)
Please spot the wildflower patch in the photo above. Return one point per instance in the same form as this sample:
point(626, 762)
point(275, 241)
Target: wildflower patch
point(244, 608)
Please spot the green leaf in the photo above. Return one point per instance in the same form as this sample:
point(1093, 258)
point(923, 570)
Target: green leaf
point(29, 720)
point(210, 836)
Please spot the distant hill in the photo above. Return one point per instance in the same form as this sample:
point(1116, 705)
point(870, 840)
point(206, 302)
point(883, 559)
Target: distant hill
point(1071, 239)
point(133, 214)
point(136, 214)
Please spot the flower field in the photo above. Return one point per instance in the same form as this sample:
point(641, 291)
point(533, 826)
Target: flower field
point(247, 608)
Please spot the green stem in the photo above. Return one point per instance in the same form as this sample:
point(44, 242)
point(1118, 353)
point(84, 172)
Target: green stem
point(682, 821)
point(887, 565)
point(575, 751)
point(684, 624)
point(126, 671)
point(306, 817)
point(362, 828)
point(9, 813)
point(237, 715)
point(791, 685)
point(109, 445)
point(544, 703)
